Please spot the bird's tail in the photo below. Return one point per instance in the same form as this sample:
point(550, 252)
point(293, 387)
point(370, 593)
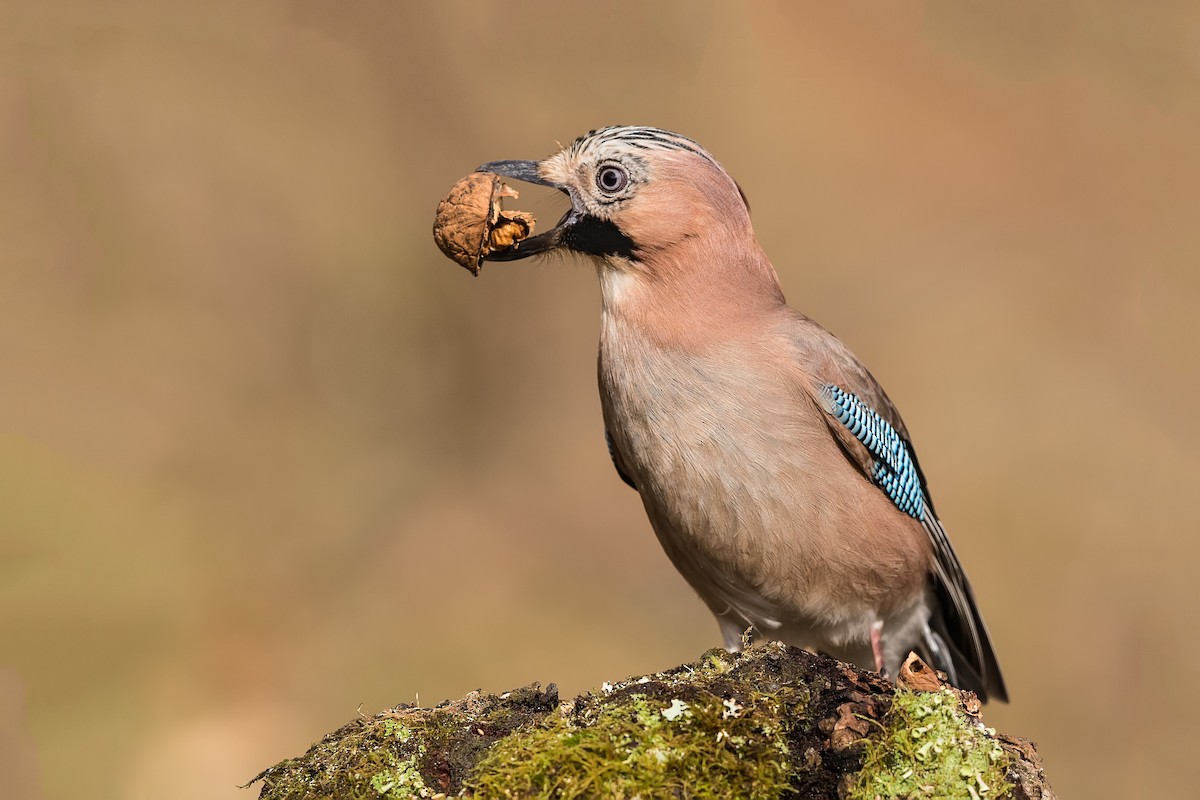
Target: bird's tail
point(939, 650)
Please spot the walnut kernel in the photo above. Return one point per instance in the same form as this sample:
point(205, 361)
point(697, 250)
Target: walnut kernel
point(470, 222)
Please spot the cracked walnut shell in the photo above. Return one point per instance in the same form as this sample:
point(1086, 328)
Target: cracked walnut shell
point(470, 223)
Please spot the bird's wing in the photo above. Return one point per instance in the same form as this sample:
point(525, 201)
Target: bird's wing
point(871, 432)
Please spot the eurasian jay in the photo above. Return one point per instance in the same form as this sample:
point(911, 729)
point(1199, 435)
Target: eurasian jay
point(776, 473)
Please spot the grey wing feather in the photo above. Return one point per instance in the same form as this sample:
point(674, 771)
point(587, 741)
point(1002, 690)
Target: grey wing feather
point(956, 619)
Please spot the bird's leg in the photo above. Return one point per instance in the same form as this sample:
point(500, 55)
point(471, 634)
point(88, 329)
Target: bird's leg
point(877, 645)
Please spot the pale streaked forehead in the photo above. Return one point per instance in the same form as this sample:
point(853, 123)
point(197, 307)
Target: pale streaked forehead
point(632, 138)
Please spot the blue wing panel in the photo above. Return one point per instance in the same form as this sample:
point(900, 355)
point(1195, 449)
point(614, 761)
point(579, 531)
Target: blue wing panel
point(894, 472)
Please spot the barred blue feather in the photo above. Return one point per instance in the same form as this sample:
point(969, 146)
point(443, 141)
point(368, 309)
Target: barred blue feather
point(894, 470)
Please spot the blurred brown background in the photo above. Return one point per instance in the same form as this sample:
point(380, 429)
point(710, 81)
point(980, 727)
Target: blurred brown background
point(266, 457)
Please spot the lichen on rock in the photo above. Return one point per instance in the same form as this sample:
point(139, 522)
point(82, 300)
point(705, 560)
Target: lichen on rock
point(770, 722)
point(930, 747)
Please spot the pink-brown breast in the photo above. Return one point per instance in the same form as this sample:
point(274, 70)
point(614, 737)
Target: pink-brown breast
point(751, 496)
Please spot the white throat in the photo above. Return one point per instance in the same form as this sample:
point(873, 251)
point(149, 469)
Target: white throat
point(618, 282)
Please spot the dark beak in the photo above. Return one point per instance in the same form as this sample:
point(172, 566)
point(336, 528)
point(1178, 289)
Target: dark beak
point(527, 171)
point(517, 170)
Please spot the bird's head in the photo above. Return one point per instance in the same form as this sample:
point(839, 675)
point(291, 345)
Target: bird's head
point(637, 195)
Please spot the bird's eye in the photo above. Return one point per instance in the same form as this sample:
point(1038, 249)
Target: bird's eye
point(612, 179)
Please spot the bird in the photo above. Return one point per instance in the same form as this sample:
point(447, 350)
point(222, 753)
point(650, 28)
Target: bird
point(775, 471)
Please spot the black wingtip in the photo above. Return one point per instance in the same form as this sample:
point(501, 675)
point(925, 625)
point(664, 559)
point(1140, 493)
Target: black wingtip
point(978, 672)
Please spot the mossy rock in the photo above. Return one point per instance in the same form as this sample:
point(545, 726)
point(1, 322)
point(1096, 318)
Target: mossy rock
point(771, 722)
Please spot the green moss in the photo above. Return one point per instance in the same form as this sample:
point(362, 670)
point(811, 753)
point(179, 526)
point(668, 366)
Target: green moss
point(756, 725)
point(366, 760)
point(406, 752)
point(929, 748)
point(704, 747)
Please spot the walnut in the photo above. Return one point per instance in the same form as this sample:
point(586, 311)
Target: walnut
point(470, 223)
